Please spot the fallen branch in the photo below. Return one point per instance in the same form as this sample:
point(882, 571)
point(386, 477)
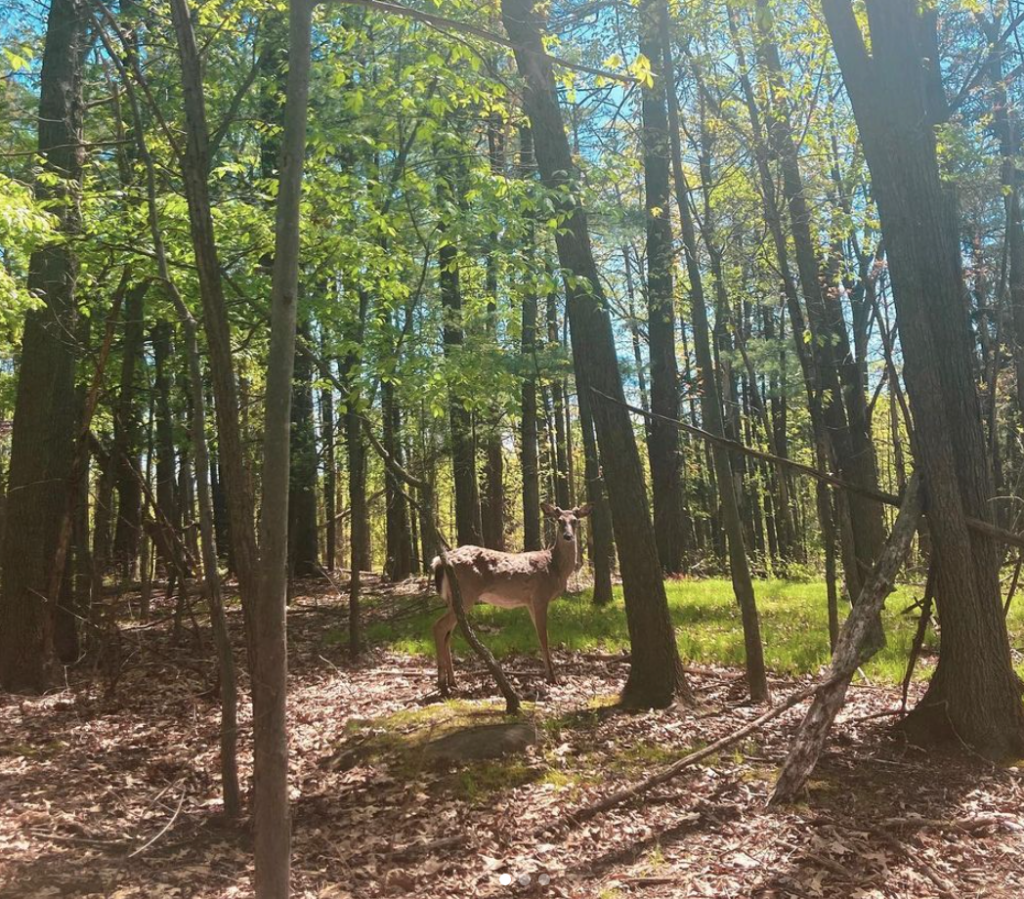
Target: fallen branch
point(622, 796)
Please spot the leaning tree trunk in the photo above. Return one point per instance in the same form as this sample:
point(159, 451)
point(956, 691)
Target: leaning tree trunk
point(656, 675)
point(42, 445)
point(663, 437)
point(974, 693)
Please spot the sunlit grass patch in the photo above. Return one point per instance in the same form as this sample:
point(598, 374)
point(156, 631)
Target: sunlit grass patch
point(794, 627)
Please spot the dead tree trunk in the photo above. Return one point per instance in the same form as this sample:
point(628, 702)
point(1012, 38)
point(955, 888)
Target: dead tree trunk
point(852, 650)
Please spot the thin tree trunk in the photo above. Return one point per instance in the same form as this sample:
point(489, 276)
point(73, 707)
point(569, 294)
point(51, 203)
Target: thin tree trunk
point(711, 403)
point(270, 674)
point(467, 498)
point(303, 534)
point(327, 438)
point(127, 429)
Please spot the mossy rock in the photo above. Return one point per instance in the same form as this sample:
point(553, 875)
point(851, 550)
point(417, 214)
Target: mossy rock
point(485, 741)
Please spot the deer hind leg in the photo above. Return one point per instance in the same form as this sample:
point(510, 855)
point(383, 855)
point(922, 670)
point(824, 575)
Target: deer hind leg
point(442, 641)
point(539, 616)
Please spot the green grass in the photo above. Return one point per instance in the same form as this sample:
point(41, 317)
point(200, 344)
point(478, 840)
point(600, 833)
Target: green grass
point(794, 627)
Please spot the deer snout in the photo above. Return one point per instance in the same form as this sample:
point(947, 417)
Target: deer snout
point(567, 535)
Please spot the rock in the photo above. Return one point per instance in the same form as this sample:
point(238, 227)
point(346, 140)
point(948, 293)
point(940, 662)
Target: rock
point(486, 741)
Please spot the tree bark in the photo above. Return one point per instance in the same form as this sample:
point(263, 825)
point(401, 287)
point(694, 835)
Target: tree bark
point(853, 649)
point(663, 438)
point(43, 441)
point(528, 361)
point(711, 402)
point(656, 675)
point(974, 693)
point(270, 674)
point(602, 543)
point(303, 534)
point(842, 409)
point(127, 429)
point(467, 498)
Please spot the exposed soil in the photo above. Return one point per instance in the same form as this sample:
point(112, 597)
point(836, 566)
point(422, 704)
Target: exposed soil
point(114, 792)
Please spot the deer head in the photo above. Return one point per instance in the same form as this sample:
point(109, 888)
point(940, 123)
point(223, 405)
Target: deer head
point(566, 521)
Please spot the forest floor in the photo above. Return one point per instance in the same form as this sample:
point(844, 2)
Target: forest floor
point(110, 787)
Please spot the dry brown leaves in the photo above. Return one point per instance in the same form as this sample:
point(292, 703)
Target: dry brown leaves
point(86, 780)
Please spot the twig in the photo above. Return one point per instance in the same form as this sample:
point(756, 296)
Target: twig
point(166, 827)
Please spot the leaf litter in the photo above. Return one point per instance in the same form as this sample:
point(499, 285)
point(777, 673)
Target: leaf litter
point(89, 778)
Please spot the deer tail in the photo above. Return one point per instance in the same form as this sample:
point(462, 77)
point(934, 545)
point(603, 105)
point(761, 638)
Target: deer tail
point(439, 573)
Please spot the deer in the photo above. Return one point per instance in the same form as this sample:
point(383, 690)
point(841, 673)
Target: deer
point(509, 581)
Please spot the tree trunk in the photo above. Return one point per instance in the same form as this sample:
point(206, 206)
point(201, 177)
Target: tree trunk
point(711, 402)
point(603, 546)
point(528, 361)
point(270, 674)
point(843, 409)
point(398, 561)
point(43, 441)
point(656, 675)
point(327, 438)
point(303, 534)
point(467, 498)
point(492, 501)
point(127, 429)
point(359, 528)
point(663, 436)
point(974, 692)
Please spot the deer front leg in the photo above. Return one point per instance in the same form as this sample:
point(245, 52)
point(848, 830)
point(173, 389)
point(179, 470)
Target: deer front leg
point(442, 642)
point(539, 615)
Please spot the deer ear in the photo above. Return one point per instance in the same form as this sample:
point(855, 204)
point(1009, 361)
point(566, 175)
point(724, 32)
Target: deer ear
point(584, 510)
point(549, 510)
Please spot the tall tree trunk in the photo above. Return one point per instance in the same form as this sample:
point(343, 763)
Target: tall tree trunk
point(492, 501)
point(270, 675)
point(711, 402)
point(843, 403)
point(42, 445)
point(467, 499)
point(603, 546)
point(359, 528)
point(656, 675)
point(399, 560)
point(327, 438)
point(556, 420)
point(303, 534)
point(974, 693)
point(528, 360)
point(127, 429)
point(663, 436)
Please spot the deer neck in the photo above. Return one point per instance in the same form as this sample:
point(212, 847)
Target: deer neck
point(563, 555)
